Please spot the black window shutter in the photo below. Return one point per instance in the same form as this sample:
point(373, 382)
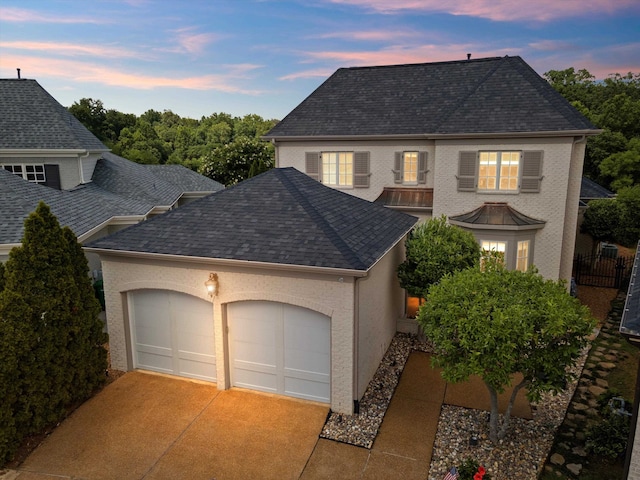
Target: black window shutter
point(52, 176)
point(467, 166)
point(531, 171)
point(361, 171)
point(422, 167)
point(313, 165)
point(397, 167)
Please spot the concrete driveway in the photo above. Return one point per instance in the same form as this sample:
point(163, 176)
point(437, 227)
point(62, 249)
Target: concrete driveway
point(156, 427)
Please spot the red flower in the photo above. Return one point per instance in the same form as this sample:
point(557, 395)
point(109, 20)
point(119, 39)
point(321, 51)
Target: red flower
point(481, 470)
point(477, 476)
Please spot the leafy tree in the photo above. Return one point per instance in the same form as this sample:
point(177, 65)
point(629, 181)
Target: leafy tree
point(91, 114)
point(623, 167)
point(433, 249)
point(499, 322)
point(601, 220)
point(628, 231)
point(234, 161)
point(1, 276)
point(50, 337)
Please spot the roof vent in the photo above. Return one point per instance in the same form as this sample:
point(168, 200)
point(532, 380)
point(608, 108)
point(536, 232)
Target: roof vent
point(18, 73)
point(468, 56)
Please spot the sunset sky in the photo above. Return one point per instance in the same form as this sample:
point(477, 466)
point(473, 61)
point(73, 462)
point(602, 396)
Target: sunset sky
point(241, 56)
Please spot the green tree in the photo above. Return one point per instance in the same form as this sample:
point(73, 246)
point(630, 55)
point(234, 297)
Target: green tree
point(601, 220)
point(235, 161)
point(600, 147)
point(500, 322)
point(91, 114)
point(48, 327)
point(623, 168)
point(433, 249)
point(628, 231)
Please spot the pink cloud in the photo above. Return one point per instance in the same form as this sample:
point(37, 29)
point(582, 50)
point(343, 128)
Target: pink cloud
point(316, 73)
point(71, 49)
point(193, 43)
point(21, 15)
point(35, 67)
point(499, 10)
point(370, 35)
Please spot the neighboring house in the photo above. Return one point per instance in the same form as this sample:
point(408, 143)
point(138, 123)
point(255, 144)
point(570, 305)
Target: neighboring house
point(630, 328)
point(486, 142)
point(47, 154)
point(589, 190)
point(307, 294)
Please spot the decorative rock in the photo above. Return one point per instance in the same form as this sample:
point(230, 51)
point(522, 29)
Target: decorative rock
point(580, 407)
point(601, 382)
point(611, 358)
point(607, 365)
point(557, 459)
point(574, 468)
point(596, 390)
point(580, 451)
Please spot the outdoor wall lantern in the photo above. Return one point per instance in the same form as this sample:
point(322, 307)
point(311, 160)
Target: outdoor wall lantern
point(212, 284)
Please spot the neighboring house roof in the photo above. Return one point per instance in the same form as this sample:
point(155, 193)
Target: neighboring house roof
point(33, 119)
point(185, 179)
point(630, 322)
point(489, 95)
point(590, 190)
point(497, 214)
point(279, 217)
point(120, 188)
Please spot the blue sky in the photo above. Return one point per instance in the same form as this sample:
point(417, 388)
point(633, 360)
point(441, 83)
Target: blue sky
point(244, 56)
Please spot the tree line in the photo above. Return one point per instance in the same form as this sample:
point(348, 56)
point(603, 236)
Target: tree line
point(222, 147)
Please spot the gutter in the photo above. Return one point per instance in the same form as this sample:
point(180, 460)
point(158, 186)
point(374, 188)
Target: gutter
point(434, 136)
point(38, 152)
point(230, 263)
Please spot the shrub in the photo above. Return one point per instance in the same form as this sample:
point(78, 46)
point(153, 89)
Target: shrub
point(469, 468)
point(608, 437)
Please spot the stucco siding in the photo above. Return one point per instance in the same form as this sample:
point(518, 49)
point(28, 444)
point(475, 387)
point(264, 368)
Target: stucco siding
point(380, 305)
point(328, 294)
point(550, 204)
point(292, 154)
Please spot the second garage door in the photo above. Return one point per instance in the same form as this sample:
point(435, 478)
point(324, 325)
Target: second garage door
point(280, 348)
point(172, 333)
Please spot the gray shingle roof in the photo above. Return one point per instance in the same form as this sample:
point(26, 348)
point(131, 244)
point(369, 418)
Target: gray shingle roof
point(120, 188)
point(281, 217)
point(31, 118)
point(590, 190)
point(488, 95)
point(185, 179)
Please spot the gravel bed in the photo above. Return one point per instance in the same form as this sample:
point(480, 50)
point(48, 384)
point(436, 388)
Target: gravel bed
point(521, 454)
point(361, 429)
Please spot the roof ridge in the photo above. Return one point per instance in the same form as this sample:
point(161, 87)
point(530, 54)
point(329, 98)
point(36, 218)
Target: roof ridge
point(463, 99)
point(335, 238)
point(444, 62)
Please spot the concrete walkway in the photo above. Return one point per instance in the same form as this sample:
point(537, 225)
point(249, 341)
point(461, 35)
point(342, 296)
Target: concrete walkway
point(146, 426)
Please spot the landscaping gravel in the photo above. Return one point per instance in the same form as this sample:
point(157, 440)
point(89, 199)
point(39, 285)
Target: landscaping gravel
point(521, 454)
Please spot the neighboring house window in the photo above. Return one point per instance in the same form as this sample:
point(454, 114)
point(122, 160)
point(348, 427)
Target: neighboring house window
point(339, 169)
point(410, 168)
point(522, 256)
point(31, 173)
point(497, 171)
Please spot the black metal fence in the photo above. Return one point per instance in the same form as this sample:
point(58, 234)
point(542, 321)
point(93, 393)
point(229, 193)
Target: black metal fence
point(602, 270)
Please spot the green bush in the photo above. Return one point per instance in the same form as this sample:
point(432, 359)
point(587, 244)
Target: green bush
point(469, 468)
point(608, 437)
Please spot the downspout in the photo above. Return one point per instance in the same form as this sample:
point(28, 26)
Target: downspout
point(275, 148)
point(80, 169)
point(356, 329)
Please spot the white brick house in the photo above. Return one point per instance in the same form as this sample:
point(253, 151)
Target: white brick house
point(486, 142)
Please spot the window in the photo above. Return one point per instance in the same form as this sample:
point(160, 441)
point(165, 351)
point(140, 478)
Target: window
point(410, 168)
point(522, 256)
point(31, 173)
point(337, 168)
point(493, 246)
point(498, 171)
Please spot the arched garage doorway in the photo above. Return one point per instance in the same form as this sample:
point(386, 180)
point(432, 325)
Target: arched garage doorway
point(280, 348)
point(172, 332)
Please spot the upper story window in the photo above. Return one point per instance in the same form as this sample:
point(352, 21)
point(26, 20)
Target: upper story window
point(410, 168)
point(337, 168)
point(500, 171)
point(31, 173)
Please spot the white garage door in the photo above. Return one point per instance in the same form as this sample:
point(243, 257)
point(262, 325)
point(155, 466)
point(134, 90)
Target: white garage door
point(280, 348)
point(172, 333)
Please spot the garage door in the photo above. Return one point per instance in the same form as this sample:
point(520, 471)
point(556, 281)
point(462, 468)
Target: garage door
point(172, 333)
point(280, 348)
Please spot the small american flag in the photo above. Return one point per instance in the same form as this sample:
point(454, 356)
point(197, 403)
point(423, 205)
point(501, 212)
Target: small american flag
point(451, 474)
